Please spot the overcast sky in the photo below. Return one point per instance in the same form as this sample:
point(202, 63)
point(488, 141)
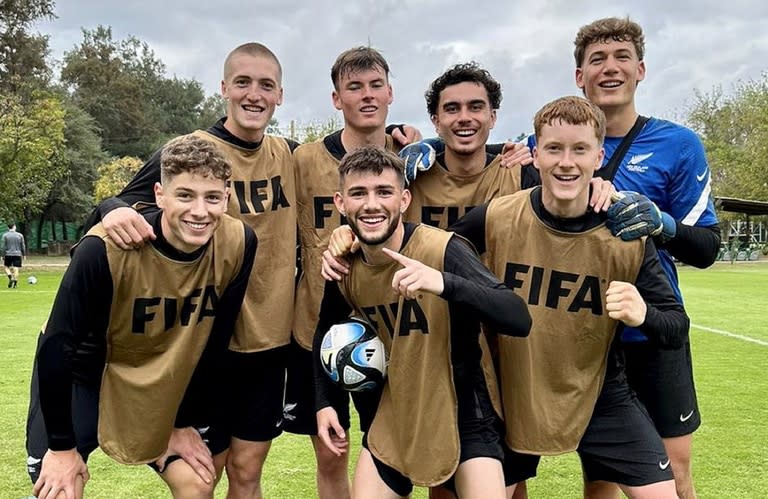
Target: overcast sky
point(689, 45)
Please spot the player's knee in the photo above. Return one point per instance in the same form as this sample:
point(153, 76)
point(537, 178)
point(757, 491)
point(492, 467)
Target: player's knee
point(193, 489)
point(245, 463)
point(329, 464)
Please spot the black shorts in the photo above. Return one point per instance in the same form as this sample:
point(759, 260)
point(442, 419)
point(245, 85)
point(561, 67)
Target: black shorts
point(480, 435)
point(663, 381)
point(620, 444)
point(257, 394)
point(12, 261)
point(299, 414)
point(85, 422)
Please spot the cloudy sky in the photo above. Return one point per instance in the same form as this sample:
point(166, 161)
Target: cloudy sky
point(528, 49)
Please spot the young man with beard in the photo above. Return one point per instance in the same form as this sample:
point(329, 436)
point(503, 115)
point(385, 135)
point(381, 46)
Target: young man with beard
point(564, 388)
point(131, 331)
point(363, 94)
point(665, 162)
point(438, 292)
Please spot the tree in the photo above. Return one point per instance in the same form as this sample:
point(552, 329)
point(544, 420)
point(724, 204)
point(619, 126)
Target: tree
point(123, 85)
point(31, 145)
point(115, 175)
point(71, 198)
point(210, 110)
point(22, 54)
point(735, 134)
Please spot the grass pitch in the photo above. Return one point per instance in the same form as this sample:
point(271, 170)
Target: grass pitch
point(726, 303)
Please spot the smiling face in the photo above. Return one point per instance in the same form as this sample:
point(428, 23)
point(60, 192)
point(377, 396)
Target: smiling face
point(609, 73)
point(464, 117)
point(566, 156)
point(363, 97)
point(373, 204)
point(252, 89)
point(192, 207)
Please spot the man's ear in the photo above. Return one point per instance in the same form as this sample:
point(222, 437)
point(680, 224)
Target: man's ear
point(536, 157)
point(159, 201)
point(405, 201)
point(338, 200)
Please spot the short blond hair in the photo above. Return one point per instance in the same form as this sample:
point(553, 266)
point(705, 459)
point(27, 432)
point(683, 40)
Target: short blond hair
point(573, 111)
point(254, 49)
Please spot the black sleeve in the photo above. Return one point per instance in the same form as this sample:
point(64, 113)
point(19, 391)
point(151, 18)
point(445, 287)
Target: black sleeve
point(292, 144)
point(469, 282)
point(203, 397)
point(333, 309)
point(81, 309)
point(139, 189)
point(472, 227)
point(393, 127)
point(494, 149)
point(697, 246)
point(665, 321)
point(529, 177)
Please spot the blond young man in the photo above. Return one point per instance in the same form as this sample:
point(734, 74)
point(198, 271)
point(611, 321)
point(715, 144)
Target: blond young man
point(145, 332)
point(564, 388)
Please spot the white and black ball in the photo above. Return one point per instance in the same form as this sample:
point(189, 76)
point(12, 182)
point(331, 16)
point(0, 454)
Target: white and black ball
point(353, 356)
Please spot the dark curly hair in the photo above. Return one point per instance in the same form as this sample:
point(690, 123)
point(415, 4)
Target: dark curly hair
point(470, 71)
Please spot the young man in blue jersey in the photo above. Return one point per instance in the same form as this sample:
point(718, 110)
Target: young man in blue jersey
point(666, 163)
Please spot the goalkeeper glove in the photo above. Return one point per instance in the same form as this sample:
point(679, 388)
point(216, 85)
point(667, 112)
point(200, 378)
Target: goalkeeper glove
point(632, 215)
point(420, 156)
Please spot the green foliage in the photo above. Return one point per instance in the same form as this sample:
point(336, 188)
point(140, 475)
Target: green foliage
point(734, 130)
point(31, 145)
point(72, 197)
point(22, 54)
point(312, 130)
point(115, 175)
point(210, 110)
point(122, 84)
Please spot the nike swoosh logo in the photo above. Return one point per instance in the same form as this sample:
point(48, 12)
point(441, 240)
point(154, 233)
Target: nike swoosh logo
point(683, 419)
point(664, 465)
point(702, 176)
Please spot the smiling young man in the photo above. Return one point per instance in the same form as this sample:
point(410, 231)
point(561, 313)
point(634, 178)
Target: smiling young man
point(563, 387)
point(145, 332)
point(362, 92)
point(425, 292)
point(263, 197)
point(666, 162)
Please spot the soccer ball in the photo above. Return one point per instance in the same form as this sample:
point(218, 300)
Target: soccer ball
point(353, 356)
point(31, 280)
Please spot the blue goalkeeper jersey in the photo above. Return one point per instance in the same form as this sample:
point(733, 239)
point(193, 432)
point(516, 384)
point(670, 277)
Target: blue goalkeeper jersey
point(666, 162)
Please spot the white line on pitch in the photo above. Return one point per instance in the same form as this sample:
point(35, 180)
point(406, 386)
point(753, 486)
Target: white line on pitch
point(731, 335)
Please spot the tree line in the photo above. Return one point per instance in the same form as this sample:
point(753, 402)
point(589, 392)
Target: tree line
point(68, 141)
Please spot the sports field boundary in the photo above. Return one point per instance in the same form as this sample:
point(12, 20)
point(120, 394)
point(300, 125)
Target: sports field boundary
point(730, 335)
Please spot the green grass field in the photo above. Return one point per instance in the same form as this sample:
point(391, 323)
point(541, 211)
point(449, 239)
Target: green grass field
point(731, 448)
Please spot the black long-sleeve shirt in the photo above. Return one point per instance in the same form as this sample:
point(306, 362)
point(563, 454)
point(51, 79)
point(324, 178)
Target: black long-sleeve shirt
point(474, 295)
point(141, 186)
point(72, 350)
point(666, 321)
